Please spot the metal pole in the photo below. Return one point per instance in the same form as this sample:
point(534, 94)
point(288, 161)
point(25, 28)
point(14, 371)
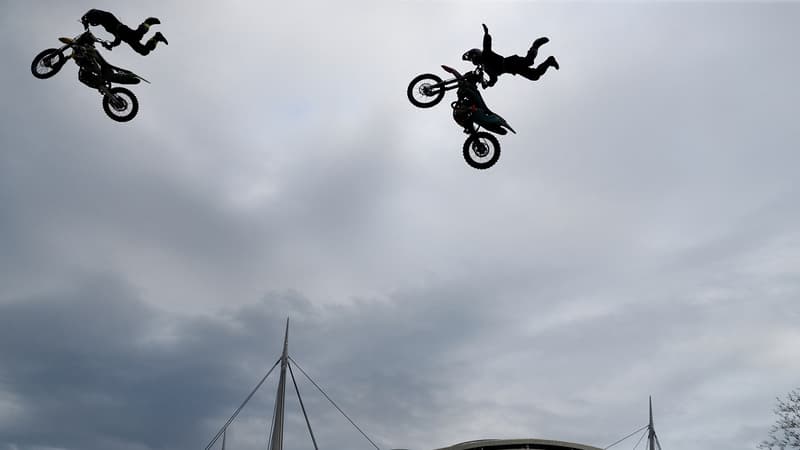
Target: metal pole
point(651, 429)
point(276, 440)
point(303, 408)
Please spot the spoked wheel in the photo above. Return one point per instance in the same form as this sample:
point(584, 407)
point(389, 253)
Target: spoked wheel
point(481, 150)
point(47, 63)
point(120, 104)
point(422, 93)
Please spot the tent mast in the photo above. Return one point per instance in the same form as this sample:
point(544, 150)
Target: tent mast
point(276, 440)
point(651, 430)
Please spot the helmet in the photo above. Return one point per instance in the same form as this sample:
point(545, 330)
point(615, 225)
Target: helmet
point(92, 17)
point(473, 55)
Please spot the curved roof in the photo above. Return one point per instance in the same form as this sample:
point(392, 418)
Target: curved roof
point(509, 444)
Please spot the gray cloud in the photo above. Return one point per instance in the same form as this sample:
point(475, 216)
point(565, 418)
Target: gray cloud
point(637, 237)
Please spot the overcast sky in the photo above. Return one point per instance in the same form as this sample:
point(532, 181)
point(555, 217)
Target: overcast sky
point(639, 236)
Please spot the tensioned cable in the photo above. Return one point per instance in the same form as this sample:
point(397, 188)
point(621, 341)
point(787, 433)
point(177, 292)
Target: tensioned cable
point(334, 404)
point(626, 437)
point(657, 442)
point(302, 407)
point(639, 441)
point(239, 409)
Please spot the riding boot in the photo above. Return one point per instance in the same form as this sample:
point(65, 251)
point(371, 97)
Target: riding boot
point(150, 45)
point(158, 37)
point(533, 73)
point(151, 21)
point(551, 62)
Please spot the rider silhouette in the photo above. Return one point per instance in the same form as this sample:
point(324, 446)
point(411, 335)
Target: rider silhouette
point(122, 32)
point(470, 109)
point(94, 69)
point(496, 65)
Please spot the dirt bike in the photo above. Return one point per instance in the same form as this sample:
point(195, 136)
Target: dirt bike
point(481, 149)
point(120, 104)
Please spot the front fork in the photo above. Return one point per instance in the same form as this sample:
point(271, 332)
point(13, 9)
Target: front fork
point(117, 102)
point(48, 61)
point(61, 52)
point(445, 85)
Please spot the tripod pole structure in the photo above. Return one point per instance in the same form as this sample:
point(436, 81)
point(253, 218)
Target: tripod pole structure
point(651, 430)
point(276, 439)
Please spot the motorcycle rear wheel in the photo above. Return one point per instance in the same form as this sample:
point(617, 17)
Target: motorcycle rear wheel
point(419, 91)
point(47, 63)
point(481, 150)
point(120, 104)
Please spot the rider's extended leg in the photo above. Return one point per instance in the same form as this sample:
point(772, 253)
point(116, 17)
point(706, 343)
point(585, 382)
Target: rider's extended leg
point(153, 41)
point(149, 46)
point(142, 29)
point(134, 37)
point(139, 32)
point(531, 56)
point(533, 73)
point(141, 49)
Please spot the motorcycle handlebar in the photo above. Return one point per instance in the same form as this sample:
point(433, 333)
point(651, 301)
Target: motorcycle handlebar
point(101, 41)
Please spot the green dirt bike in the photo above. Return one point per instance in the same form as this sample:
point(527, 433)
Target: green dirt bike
point(120, 104)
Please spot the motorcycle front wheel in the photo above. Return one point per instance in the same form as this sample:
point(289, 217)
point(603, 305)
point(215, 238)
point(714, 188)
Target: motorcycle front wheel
point(481, 150)
point(120, 104)
point(422, 93)
point(47, 63)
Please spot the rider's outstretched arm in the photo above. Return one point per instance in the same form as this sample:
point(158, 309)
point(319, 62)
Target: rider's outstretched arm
point(487, 39)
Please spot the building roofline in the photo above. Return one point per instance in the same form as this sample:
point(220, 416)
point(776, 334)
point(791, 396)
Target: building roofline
point(508, 444)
